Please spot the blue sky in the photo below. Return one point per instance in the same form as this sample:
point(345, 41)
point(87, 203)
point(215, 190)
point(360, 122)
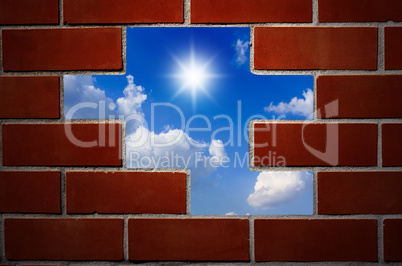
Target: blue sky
point(188, 97)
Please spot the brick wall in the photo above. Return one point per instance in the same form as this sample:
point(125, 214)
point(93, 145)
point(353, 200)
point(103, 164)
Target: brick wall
point(61, 203)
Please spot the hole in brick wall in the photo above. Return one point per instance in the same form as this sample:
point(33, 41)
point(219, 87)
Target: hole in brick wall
point(187, 99)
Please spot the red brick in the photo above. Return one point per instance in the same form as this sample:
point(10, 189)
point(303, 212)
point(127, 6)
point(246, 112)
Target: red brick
point(29, 12)
point(126, 192)
point(30, 192)
point(62, 49)
point(359, 192)
point(359, 10)
point(357, 144)
point(122, 11)
point(393, 44)
point(360, 96)
point(315, 240)
point(315, 48)
point(63, 239)
point(188, 239)
point(391, 144)
point(240, 11)
point(48, 144)
point(29, 97)
point(393, 239)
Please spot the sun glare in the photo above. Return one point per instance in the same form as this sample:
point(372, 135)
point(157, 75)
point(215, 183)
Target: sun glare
point(194, 75)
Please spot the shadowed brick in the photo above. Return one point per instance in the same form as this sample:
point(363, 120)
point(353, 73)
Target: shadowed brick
point(359, 192)
point(63, 239)
point(122, 11)
point(392, 239)
point(359, 10)
point(315, 240)
point(392, 46)
point(29, 97)
point(239, 11)
point(62, 144)
point(126, 192)
point(360, 96)
point(391, 144)
point(30, 192)
point(62, 49)
point(315, 144)
point(29, 12)
point(315, 48)
point(188, 239)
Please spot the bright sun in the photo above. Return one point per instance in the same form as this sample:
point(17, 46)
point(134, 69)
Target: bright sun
point(194, 75)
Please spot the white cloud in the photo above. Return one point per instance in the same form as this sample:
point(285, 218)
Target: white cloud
point(207, 164)
point(81, 90)
point(217, 149)
point(133, 98)
point(275, 188)
point(241, 52)
point(231, 213)
point(130, 105)
point(172, 148)
point(296, 106)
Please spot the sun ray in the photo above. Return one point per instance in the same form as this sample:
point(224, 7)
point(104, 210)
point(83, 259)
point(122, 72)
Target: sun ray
point(194, 74)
